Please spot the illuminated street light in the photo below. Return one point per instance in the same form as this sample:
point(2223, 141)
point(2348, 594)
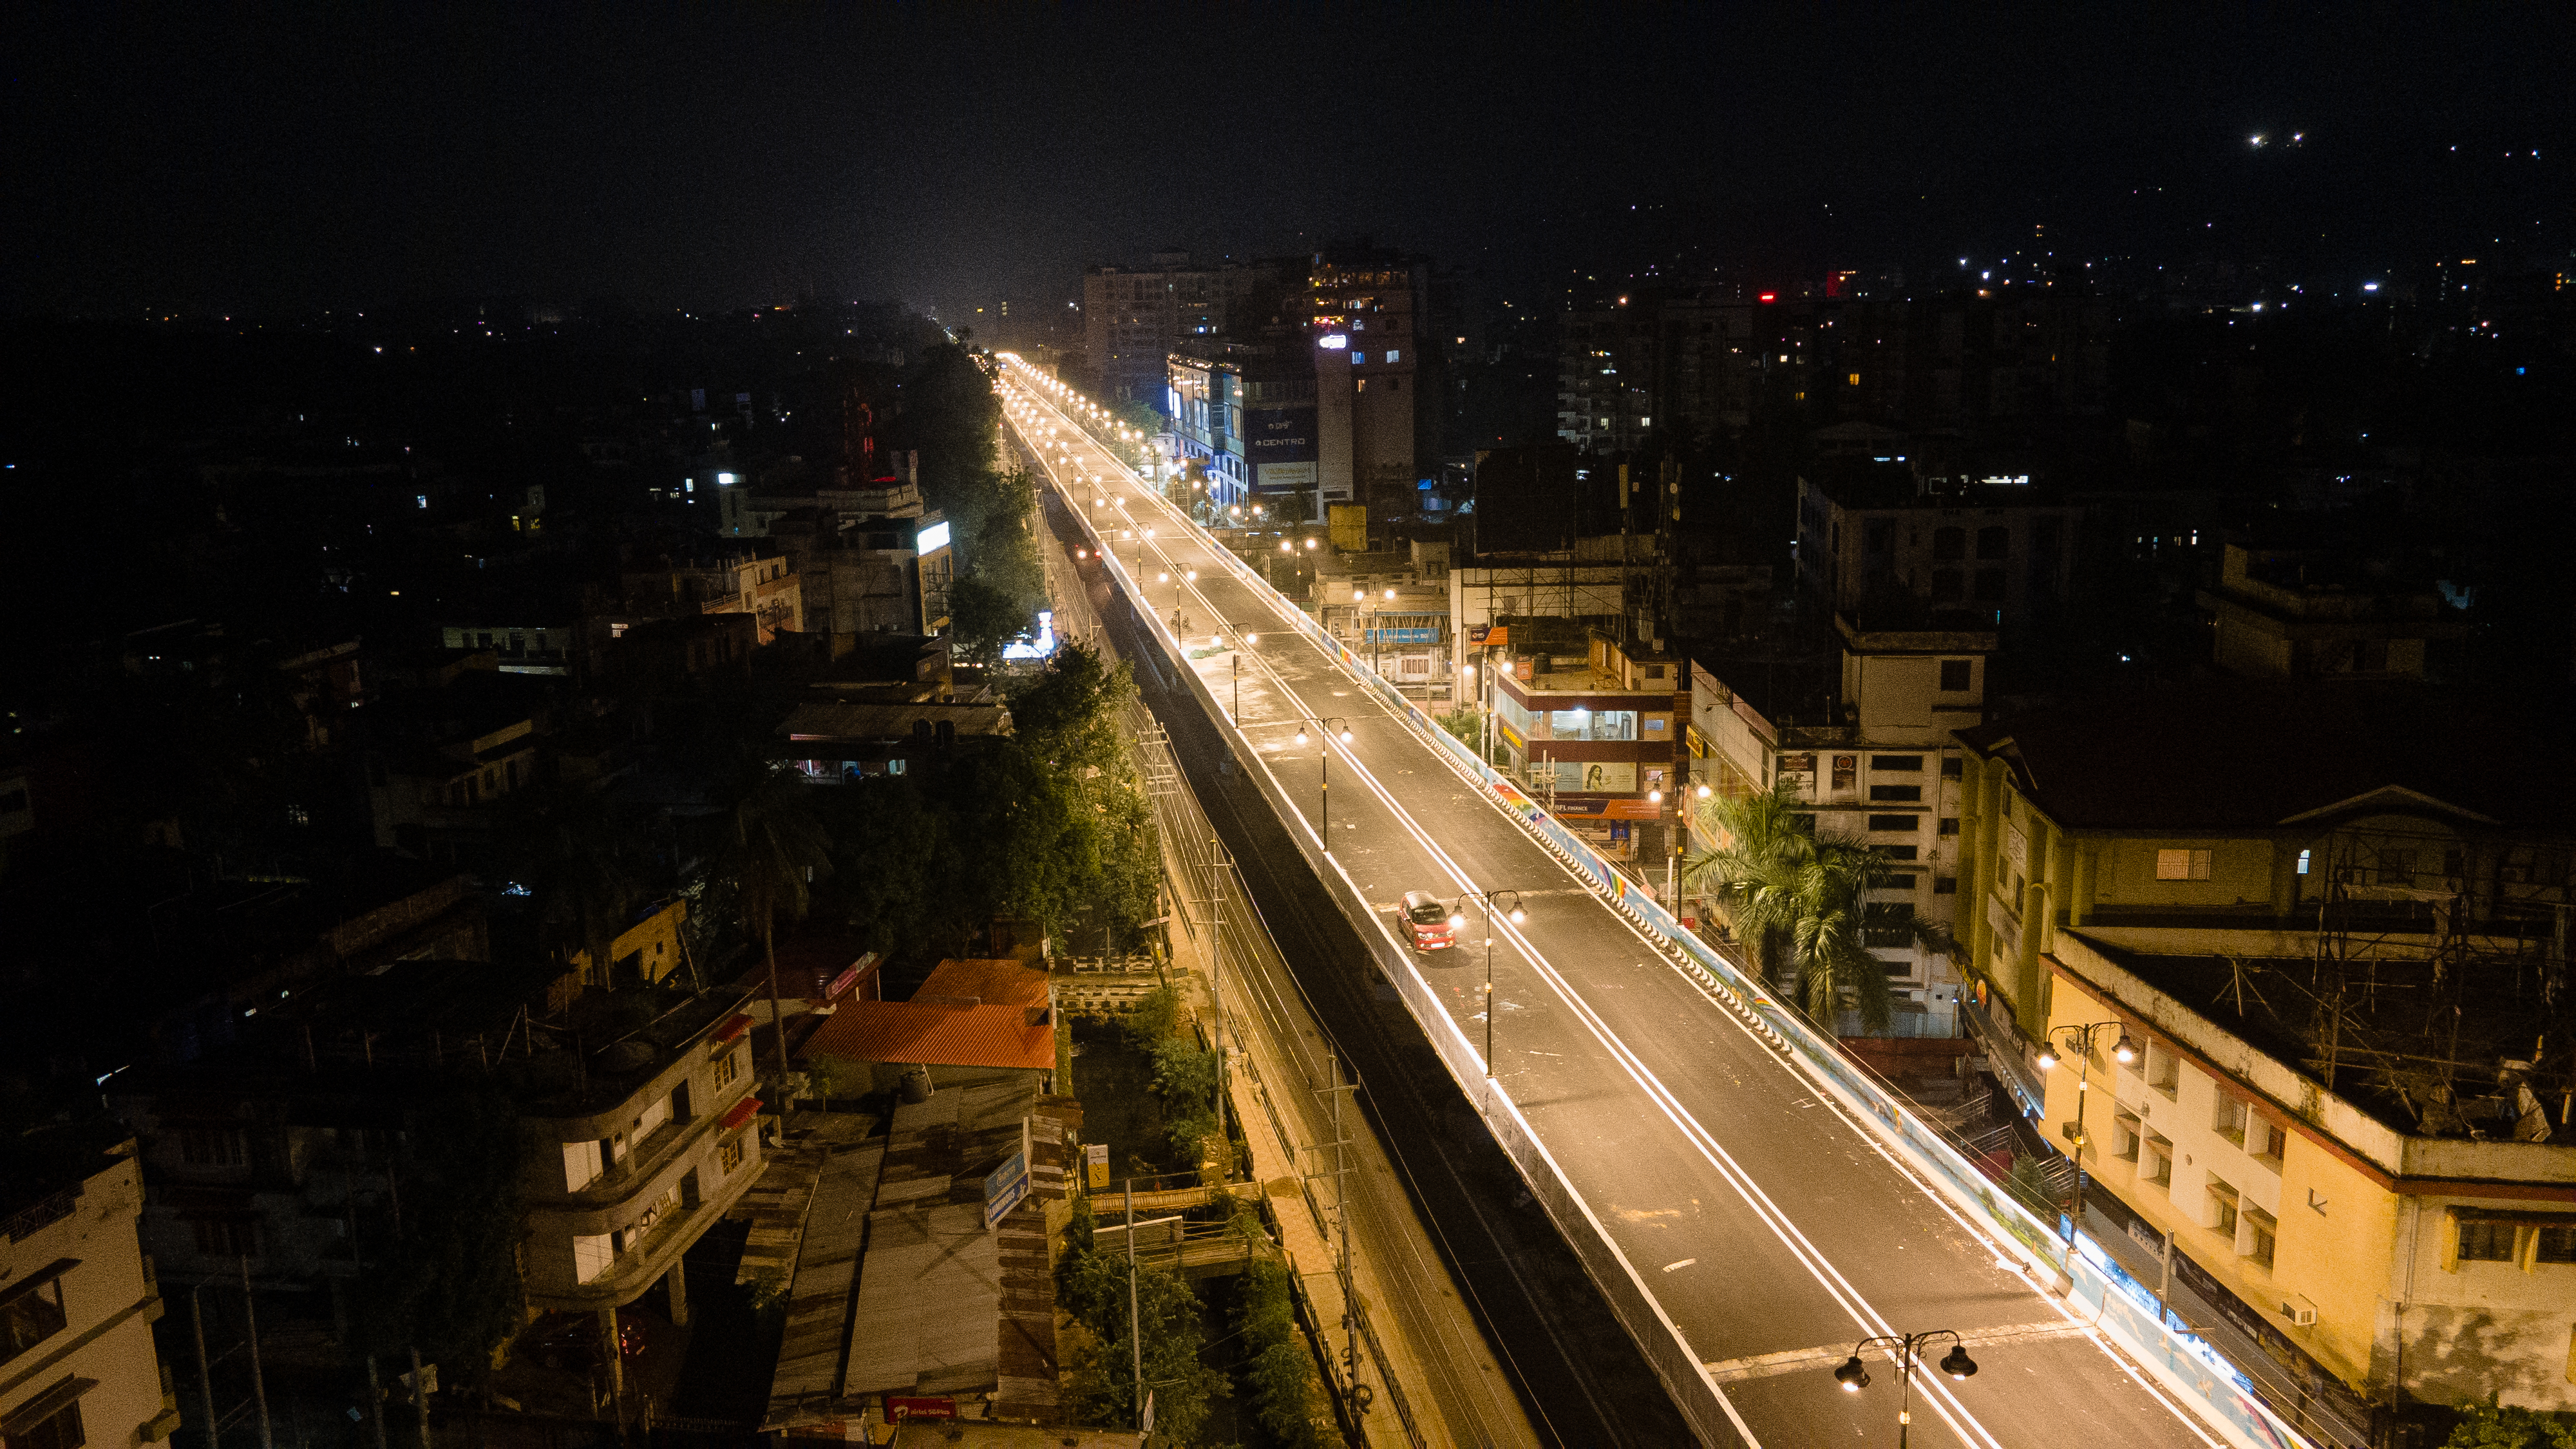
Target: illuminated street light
point(1457, 919)
point(1853, 1375)
point(2080, 1040)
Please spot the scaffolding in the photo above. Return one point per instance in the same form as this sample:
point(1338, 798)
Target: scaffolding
point(2436, 983)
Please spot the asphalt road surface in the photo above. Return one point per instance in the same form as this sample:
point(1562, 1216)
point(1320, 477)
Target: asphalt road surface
point(1770, 1227)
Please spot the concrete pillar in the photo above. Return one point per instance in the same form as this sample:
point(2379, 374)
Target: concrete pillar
point(2285, 877)
point(2029, 988)
point(677, 1281)
point(2064, 860)
point(616, 1360)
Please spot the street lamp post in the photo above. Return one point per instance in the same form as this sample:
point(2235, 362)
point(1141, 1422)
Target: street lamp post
point(2080, 1040)
point(1457, 920)
point(1235, 657)
point(1692, 787)
point(1336, 724)
point(1854, 1375)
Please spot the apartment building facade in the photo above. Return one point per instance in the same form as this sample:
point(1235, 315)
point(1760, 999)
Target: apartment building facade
point(1134, 317)
point(1594, 739)
point(2410, 1266)
point(763, 586)
point(1882, 540)
point(619, 1178)
point(78, 1296)
point(1879, 765)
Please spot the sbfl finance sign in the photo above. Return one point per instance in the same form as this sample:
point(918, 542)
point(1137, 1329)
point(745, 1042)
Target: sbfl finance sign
point(1095, 1164)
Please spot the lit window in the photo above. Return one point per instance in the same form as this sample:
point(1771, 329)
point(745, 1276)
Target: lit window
point(1395, 354)
point(2303, 862)
point(2182, 865)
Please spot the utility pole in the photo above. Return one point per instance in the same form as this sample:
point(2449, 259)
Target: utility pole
point(1216, 986)
point(1135, 1334)
point(258, 1389)
point(420, 1395)
point(1340, 1174)
point(205, 1372)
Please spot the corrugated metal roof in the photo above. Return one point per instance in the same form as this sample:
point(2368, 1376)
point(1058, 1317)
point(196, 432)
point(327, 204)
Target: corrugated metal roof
point(993, 982)
point(937, 1034)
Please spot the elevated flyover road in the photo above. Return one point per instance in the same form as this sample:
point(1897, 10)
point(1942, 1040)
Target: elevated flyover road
point(1769, 1227)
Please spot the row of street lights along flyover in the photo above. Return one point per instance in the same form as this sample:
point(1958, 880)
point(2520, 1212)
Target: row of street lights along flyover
point(1854, 1376)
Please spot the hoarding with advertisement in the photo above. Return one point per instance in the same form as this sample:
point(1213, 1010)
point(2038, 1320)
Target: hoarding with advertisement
point(1279, 435)
point(1282, 477)
point(1617, 777)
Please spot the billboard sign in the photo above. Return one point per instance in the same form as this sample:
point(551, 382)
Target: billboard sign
point(1279, 435)
point(1274, 477)
point(1095, 1165)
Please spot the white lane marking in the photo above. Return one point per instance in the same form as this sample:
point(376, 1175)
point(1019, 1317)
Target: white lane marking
point(1684, 1263)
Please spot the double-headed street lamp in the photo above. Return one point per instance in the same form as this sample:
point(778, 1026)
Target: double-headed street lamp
point(1338, 725)
point(1854, 1375)
point(1697, 789)
point(2080, 1040)
point(1458, 921)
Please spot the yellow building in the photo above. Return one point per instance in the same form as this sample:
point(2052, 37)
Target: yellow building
point(2412, 1266)
point(2327, 924)
point(646, 951)
point(77, 1296)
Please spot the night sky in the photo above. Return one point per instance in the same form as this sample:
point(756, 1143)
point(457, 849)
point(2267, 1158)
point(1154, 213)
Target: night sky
point(226, 157)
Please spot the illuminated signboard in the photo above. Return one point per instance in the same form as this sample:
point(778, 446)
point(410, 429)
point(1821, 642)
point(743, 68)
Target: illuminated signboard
point(930, 539)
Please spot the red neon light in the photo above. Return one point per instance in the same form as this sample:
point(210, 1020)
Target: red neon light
point(1770, 296)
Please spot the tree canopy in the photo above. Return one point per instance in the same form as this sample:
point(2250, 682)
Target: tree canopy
point(1798, 900)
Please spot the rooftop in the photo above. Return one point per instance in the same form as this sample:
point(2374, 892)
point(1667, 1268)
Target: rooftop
point(34, 1166)
point(1865, 483)
point(2251, 755)
point(985, 982)
point(940, 1034)
point(889, 719)
point(2453, 1079)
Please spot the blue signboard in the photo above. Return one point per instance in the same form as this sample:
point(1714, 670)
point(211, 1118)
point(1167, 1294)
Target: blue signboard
point(1004, 1189)
point(1402, 636)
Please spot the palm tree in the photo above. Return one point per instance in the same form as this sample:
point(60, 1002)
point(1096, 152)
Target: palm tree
point(774, 848)
point(1798, 901)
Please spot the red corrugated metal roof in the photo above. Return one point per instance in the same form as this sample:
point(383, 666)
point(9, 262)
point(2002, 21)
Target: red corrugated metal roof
point(734, 1026)
point(937, 1035)
point(993, 981)
point(741, 1113)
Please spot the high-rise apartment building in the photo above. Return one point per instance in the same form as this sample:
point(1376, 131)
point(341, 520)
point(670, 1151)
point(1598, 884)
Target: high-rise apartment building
point(1133, 317)
point(1376, 409)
